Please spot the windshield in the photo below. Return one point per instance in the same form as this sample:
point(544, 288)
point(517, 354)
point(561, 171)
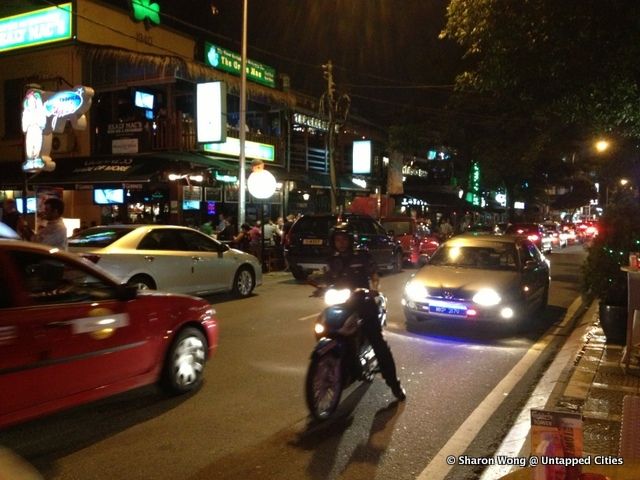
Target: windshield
point(490, 256)
point(399, 227)
point(98, 237)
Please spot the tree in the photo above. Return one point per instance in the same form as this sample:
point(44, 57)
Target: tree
point(575, 59)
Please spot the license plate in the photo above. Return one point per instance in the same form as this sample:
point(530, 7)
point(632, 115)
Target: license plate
point(312, 241)
point(448, 309)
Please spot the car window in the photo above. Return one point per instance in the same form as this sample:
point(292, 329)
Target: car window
point(313, 225)
point(197, 242)
point(49, 280)
point(362, 227)
point(398, 227)
point(490, 256)
point(162, 239)
point(99, 237)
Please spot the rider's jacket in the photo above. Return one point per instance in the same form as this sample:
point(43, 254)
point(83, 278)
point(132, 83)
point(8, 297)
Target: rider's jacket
point(351, 270)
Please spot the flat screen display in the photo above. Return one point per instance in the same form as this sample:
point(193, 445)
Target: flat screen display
point(143, 99)
point(191, 205)
point(108, 196)
point(31, 205)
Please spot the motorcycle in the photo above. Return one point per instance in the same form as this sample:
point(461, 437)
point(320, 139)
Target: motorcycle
point(342, 355)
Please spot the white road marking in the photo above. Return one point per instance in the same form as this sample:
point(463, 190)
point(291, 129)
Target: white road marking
point(308, 317)
point(438, 468)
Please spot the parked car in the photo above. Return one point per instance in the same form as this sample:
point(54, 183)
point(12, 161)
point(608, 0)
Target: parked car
point(170, 258)
point(306, 246)
point(70, 333)
point(417, 242)
point(534, 232)
point(475, 277)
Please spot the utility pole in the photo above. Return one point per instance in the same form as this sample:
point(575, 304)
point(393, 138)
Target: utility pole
point(337, 109)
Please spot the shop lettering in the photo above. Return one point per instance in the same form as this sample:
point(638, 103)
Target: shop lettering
point(414, 172)
point(125, 127)
point(144, 38)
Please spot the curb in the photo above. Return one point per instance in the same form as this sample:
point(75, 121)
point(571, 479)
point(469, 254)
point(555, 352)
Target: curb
point(575, 326)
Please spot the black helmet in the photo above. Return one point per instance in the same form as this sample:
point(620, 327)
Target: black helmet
point(341, 229)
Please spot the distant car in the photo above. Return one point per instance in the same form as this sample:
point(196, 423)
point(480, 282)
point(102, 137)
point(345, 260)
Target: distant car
point(70, 333)
point(557, 237)
point(475, 277)
point(170, 258)
point(416, 241)
point(306, 245)
point(534, 232)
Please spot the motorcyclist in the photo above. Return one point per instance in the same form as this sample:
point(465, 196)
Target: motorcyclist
point(358, 270)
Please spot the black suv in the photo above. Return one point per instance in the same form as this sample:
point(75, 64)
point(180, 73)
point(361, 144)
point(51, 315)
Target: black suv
point(307, 248)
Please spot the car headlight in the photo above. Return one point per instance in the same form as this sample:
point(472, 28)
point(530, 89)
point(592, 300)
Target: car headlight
point(415, 291)
point(487, 297)
point(335, 297)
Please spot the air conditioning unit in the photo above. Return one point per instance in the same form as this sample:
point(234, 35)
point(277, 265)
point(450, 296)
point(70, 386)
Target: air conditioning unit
point(63, 142)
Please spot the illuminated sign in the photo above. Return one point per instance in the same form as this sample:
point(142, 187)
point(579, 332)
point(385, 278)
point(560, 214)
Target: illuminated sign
point(362, 156)
point(145, 11)
point(518, 205)
point(361, 182)
point(226, 178)
point(473, 195)
point(309, 121)
point(261, 151)
point(44, 113)
point(47, 25)
point(228, 61)
point(411, 171)
point(211, 112)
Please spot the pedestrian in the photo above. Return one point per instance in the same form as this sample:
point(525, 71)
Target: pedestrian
point(228, 233)
point(54, 233)
point(446, 230)
point(242, 241)
point(207, 228)
point(270, 233)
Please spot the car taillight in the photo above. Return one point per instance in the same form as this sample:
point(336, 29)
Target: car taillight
point(93, 257)
point(533, 238)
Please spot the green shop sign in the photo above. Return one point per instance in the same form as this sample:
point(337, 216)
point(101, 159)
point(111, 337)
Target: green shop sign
point(228, 61)
point(261, 151)
point(47, 25)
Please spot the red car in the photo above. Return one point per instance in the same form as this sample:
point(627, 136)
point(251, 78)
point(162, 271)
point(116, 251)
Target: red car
point(416, 241)
point(70, 334)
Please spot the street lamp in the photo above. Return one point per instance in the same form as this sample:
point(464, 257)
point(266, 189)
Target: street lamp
point(602, 146)
point(262, 185)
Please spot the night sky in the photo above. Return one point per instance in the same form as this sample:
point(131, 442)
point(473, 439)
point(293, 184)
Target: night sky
point(386, 53)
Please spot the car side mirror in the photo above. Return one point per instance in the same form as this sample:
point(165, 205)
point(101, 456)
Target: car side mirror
point(126, 292)
point(530, 265)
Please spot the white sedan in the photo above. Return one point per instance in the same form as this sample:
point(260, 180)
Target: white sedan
point(170, 258)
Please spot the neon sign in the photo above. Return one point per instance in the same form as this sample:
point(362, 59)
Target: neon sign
point(44, 113)
point(47, 25)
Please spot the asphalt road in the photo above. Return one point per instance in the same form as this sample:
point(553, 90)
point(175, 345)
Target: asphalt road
point(249, 421)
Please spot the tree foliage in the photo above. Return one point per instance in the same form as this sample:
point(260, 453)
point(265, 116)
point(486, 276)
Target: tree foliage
point(574, 59)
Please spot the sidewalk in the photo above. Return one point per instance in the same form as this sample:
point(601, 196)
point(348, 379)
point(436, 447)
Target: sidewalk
point(586, 377)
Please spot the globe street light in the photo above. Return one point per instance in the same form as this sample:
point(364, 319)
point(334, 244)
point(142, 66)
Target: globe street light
point(262, 185)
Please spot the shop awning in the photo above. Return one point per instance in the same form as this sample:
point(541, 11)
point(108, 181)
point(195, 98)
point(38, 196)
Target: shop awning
point(103, 170)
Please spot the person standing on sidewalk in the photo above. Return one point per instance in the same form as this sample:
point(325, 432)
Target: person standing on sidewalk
point(54, 233)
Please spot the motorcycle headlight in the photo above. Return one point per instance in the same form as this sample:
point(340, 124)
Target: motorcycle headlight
point(415, 291)
point(336, 297)
point(487, 297)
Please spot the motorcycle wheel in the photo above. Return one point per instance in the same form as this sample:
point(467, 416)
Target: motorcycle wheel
point(323, 386)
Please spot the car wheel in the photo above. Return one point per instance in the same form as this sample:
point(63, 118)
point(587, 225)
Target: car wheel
point(142, 282)
point(299, 274)
point(184, 364)
point(244, 282)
